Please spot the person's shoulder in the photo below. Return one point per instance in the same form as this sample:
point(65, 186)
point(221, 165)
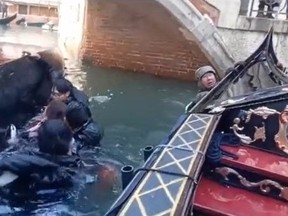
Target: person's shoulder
point(80, 96)
point(200, 95)
point(91, 134)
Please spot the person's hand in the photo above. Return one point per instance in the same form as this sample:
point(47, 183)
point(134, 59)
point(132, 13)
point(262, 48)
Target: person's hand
point(36, 127)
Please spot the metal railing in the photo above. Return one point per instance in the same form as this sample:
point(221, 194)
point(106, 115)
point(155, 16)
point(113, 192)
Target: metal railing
point(279, 11)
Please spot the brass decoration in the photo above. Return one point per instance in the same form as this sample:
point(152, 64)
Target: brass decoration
point(259, 133)
point(281, 138)
point(264, 185)
point(264, 112)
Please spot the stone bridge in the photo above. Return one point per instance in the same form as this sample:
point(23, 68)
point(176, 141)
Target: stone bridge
point(168, 38)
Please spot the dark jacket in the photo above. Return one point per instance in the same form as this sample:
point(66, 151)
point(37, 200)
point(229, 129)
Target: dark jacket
point(90, 134)
point(71, 101)
point(39, 170)
point(200, 95)
point(80, 96)
point(41, 178)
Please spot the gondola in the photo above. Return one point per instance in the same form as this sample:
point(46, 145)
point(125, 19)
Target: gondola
point(35, 24)
point(227, 155)
point(31, 24)
point(7, 20)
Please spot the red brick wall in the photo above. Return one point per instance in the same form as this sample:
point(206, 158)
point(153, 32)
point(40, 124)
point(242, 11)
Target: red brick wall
point(206, 8)
point(139, 36)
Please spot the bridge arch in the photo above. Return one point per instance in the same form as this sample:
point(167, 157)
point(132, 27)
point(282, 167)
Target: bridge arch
point(168, 38)
point(139, 36)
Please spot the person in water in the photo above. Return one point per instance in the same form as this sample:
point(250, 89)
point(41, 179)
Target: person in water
point(86, 131)
point(55, 138)
point(12, 139)
point(47, 166)
point(51, 167)
point(66, 92)
point(56, 109)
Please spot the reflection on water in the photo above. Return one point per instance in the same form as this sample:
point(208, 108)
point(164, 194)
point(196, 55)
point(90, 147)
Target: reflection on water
point(136, 110)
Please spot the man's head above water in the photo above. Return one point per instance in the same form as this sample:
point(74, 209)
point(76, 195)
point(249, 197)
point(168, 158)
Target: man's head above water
point(62, 89)
point(56, 109)
point(206, 77)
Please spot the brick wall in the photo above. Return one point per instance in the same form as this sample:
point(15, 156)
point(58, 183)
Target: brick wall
point(139, 36)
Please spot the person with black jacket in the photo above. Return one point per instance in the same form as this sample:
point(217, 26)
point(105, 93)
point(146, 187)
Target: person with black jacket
point(52, 167)
point(49, 166)
point(86, 131)
point(65, 91)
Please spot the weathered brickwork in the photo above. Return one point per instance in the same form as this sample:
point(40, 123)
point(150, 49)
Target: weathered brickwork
point(139, 36)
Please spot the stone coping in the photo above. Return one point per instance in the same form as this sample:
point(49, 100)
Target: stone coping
point(261, 24)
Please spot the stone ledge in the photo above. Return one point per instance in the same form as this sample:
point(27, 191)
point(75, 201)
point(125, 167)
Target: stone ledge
point(261, 24)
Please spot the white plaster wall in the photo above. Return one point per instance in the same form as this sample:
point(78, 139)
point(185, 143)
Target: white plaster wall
point(242, 35)
point(200, 28)
point(244, 43)
point(229, 10)
point(70, 29)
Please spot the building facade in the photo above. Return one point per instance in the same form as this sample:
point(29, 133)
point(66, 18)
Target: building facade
point(33, 9)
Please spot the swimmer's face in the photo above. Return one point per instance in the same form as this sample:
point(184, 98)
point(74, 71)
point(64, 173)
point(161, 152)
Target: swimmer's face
point(60, 96)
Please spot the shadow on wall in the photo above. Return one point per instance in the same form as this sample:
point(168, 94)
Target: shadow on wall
point(244, 7)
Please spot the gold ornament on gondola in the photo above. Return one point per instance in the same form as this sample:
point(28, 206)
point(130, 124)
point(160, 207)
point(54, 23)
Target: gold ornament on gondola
point(260, 132)
point(281, 138)
point(264, 186)
point(264, 112)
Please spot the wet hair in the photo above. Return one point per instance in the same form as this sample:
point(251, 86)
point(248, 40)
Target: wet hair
point(56, 109)
point(54, 137)
point(63, 85)
point(76, 115)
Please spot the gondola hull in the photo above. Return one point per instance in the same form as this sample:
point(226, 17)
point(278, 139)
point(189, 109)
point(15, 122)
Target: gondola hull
point(243, 145)
point(7, 20)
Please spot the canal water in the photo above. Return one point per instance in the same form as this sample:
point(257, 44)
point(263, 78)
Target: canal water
point(136, 110)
